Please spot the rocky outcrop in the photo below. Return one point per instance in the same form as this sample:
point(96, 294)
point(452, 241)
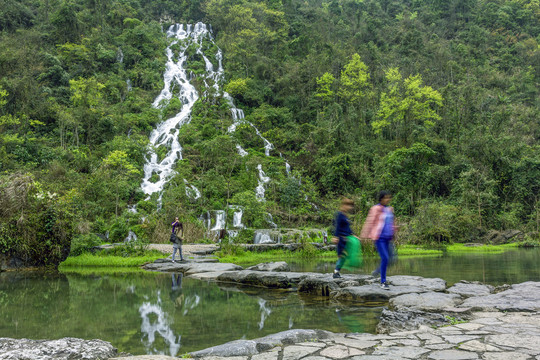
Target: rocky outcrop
point(503, 237)
point(62, 349)
point(470, 289)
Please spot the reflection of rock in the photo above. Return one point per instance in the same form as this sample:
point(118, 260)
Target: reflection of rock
point(160, 326)
point(66, 348)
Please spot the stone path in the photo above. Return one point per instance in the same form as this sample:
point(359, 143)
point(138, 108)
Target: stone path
point(487, 336)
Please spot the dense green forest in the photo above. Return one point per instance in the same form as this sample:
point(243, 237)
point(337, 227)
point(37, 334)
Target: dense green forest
point(437, 101)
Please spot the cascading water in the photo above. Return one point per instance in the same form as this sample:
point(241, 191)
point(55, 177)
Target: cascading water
point(158, 171)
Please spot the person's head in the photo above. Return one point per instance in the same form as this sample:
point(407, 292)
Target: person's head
point(385, 197)
point(176, 218)
point(347, 205)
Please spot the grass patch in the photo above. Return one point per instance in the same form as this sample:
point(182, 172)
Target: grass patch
point(415, 250)
point(103, 270)
point(461, 248)
point(110, 261)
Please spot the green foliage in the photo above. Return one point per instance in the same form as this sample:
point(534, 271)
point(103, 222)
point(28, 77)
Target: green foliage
point(83, 243)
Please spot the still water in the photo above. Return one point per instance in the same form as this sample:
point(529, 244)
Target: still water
point(152, 313)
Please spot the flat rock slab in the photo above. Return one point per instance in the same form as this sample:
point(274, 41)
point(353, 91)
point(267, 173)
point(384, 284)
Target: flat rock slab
point(146, 357)
point(62, 349)
point(269, 279)
point(428, 284)
point(469, 289)
point(270, 266)
point(520, 297)
point(189, 268)
point(453, 355)
point(373, 292)
point(428, 301)
point(252, 347)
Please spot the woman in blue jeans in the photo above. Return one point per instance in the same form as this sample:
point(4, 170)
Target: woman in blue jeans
point(379, 226)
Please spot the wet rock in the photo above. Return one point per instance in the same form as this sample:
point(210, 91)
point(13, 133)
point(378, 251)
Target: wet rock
point(318, 285)
point(520, 297)
point(470, 289)
point(429, 301)
point(269, 279)
point(270, 266)
point(66, 348)
point(393, 321)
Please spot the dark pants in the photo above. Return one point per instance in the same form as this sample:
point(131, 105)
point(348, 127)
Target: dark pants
point(384, 248)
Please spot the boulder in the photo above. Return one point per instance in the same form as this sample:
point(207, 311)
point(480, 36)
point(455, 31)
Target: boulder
point(318, 285)
point(62, 349)
point(270, 266)
point(503, 237)
point(520, 297)
point(428, 301)
point(469, 289)
point(190, 267)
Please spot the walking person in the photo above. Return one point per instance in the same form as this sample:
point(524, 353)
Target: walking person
point(177, 238)
point(347, 244)
point(379, 227)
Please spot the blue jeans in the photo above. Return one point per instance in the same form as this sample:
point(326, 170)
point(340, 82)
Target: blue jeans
point(384, 249)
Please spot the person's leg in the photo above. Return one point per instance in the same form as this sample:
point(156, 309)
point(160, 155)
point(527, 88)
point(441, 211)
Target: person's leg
point(174, 251)
point(382, 249)
point(180, 252)
point(340, 262)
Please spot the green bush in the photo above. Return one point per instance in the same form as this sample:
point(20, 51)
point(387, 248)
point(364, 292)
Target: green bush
point(83, 243)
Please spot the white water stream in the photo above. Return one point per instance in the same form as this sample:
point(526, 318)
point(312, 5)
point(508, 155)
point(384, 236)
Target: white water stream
point(158, 171)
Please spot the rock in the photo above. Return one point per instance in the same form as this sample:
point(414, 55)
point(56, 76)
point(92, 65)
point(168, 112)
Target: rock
point(318, 285)
point(428, 284)
point(521, 297)
point(269, 279)
point(146, 357)
point(503, 237)
point(233, 348)
point(470, 289)
point(392, 321)
point(65, 348)
point(190, 267)
point(252, 347)
point(407, 352)
point(452, 355)
point(295, 352)
point(270, 266)
point(373, 292)
point(340, 352)
point(430, 301)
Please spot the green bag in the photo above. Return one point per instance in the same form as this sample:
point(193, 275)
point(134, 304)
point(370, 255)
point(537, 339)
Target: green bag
point(353, 253)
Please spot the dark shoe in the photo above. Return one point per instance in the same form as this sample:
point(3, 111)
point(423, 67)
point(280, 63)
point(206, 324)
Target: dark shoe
point(385, 286)
point(336, 275)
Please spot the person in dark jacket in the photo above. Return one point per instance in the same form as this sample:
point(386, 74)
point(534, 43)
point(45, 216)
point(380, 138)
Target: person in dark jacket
point(342, 230)
point(177, 238)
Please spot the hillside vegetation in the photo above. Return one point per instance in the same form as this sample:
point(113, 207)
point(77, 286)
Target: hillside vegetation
point(437, 101)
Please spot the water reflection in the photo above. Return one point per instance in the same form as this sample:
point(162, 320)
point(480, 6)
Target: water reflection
point(156, 322)
point(265, 312)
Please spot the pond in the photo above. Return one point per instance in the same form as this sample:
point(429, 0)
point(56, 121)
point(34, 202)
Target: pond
point(153, 313)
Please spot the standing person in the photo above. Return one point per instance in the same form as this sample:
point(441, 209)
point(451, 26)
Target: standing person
point(379, 226)
point(177, 228)
point(341, 232)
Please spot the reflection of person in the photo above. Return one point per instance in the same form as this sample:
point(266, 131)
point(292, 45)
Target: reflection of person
point(379, 226)
point(177, 295)
point(351, 322)
point(341, 232)
point(177, 238)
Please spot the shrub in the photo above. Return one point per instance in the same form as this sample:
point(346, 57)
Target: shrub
point(83, 243)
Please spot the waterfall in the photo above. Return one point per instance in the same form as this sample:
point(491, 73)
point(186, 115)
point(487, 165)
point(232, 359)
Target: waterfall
point(220, 220)
point(263, 179)
point(237, 218)
point(191, 191)
point(119, 55)
point(265, 312)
